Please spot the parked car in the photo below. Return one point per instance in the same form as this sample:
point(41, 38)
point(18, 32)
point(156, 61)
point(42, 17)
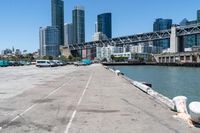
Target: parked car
point(4, 63)
point(53, 64)
point(14, 63)
point(43, 63)
point(57, 62)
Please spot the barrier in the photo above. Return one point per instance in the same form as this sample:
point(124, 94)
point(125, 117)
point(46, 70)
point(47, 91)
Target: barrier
point(194, 111)
point(180, 103)
point(141, 86)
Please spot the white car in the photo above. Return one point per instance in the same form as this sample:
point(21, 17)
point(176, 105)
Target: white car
point(43, 63)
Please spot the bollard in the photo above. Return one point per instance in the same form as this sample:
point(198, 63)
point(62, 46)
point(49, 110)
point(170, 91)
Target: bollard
point(117, 72)
point(180, 103)
point(194, 111)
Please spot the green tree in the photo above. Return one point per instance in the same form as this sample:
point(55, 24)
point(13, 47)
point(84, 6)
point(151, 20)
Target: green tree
point(70, 58)
point(47, 58)
point(141, 59)
point(112, 57)
point(63, 58)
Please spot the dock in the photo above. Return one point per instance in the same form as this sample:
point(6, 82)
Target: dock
point(85, 99)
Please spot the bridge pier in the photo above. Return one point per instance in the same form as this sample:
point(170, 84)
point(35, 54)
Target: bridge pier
point(174, 40)
point(198, 58)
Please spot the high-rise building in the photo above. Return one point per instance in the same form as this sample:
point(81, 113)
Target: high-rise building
point(191, 40)
point(198, 16)
point(57, 10)
point(49, 41)
point(162, 24)
point(104, 22)
point(184, 22)
point(68, 34)
point(78, 20)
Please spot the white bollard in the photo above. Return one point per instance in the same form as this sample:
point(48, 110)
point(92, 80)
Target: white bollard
point(180, 103)
point(117, 72)
point(194, 110)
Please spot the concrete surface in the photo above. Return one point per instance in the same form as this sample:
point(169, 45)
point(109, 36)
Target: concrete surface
point(72, 99)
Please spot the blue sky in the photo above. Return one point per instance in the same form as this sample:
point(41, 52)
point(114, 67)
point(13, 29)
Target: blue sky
point(20, 19)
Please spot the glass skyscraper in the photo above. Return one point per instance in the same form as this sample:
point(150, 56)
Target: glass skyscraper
point(162, 24)
point(104, 24)
point(68, 33)
point(57, 10)
point(191, 40)
point(49, 41)
point(78, 21)
point(198, 16)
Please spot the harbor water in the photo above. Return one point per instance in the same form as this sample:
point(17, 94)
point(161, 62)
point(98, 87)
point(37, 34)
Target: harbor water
point(169, 81)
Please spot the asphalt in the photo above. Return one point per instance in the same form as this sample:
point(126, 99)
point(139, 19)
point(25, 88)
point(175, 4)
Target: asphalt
point(86, 99)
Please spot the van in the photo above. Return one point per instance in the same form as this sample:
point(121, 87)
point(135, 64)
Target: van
point(43, 63)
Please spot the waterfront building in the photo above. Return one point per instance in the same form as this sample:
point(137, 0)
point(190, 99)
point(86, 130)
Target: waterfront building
point(68, 34)
point(104, 52)
point(99, 36)
point(162, 24)
point(78, 20)
point(57, 10)
point(129, 55)
point(104, 24)
point(147, 48)
point(49, 41)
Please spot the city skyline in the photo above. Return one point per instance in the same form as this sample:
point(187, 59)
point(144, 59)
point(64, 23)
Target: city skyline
point(20, 28)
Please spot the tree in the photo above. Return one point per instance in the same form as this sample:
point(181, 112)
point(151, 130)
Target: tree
point(112, 57)
point(136, 56)
point(62, 58)
point(47, 57)
point(70, 57)
point(50, 58)
point(141, 59)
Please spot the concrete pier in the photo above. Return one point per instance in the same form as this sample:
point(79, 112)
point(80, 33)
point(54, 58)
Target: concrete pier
point(88, 99)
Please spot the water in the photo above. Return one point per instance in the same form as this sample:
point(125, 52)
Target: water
point(169, 81)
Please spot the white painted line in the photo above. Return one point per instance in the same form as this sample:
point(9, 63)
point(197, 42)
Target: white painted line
point(79, 101)
point(34, 105)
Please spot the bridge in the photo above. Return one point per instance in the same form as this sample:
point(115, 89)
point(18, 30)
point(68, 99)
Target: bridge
point(174, 34)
